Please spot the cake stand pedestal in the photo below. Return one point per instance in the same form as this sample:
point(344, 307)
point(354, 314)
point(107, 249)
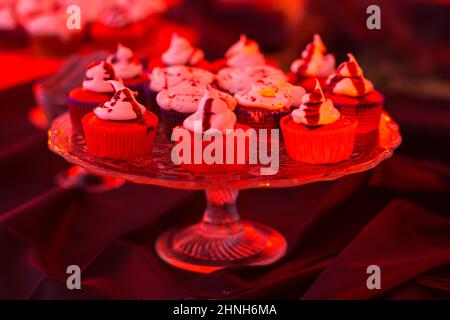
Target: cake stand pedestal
point(221, 239)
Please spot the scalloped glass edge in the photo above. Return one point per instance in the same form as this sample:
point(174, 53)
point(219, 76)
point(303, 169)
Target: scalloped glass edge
point(147, 171)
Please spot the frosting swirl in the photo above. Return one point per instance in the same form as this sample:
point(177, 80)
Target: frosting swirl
point(244, 53)
point(97, 75)
point(165, 78)
point(271, 95)
point(122, 107)
point(214, 112)
point(315, 110)
point(126, 65)
point(181, 52)
point(314, 61)
point(234, 80)
point(349, 80)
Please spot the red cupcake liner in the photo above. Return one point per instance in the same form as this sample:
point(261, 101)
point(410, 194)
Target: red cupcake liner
point(367, 115)
point(120, 140)
point(216, 167)
point(324, 145)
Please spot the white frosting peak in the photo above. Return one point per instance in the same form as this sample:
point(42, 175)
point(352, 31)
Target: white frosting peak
point(314, 62)
point(349, 79)
point(181, 52)
point(122, 107)
point(244, 53)
point(124, 62)
point(214, 112)
point(315, 109)
point(97, 76)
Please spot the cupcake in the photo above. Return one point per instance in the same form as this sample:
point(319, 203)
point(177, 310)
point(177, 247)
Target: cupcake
point(166, 78)
point(95, 90)
point(355, 97)
point(128, 68)
point(46, 23)
point(182, 100)
point(120, 129)
point(212, 123)
point(233, 80)
point(316, 133)
point(128, 22)
point(266, 102)
point(313, 64)
point(180, 53)
point(12, 35)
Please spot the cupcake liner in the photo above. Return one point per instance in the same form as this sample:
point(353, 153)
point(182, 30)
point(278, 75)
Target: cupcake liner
point(260, 119)
point(77, 110)
point(367, 115)
point(150, 100)
point(319, 146)
point(120, 140)
point(170, 119)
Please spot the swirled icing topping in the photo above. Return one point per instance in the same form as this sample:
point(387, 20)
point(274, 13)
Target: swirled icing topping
point(234, 80)
point(315, 110)
point(215, 111)
point(97, 75)
point(271, 95)
point(165, 78)
point(125, 12)
point(244, 53)
point(349, 80)
point(314, 61)
point(122, 107)
point(181, 52)
point(126, 65)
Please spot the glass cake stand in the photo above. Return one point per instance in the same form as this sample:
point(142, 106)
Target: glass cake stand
point(75, 176)
point(221, 239)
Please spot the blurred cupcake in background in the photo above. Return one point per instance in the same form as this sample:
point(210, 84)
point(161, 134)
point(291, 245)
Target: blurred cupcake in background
point(46, 23)
point(180, 53)
point(169, 77)
point(129, 68)
point(313, 64)
point(128, 22)
point(95, 90)
point(12, 35)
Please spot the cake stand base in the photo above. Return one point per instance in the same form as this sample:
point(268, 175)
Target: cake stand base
point(78, 177)
point(220, 240)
